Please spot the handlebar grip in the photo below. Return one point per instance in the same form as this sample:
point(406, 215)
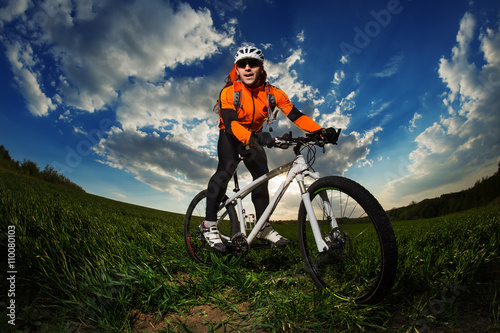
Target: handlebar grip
point(320, 137)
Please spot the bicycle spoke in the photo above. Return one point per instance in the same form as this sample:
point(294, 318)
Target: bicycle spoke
point(352, 267)
point(198, 249)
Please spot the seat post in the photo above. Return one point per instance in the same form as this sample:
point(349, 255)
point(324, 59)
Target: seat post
point(236, 183)
point(235, 177)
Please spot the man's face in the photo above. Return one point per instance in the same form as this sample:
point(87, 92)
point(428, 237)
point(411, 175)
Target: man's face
point(249, 71)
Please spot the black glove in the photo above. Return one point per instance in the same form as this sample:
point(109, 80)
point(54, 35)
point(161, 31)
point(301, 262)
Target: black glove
point(261, 139)
point(330, 134)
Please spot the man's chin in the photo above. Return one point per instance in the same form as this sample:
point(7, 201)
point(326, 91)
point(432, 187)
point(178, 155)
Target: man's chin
point(250, 83)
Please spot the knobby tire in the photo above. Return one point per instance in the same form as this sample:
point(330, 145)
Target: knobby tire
point(361, 264)
point(196, 246)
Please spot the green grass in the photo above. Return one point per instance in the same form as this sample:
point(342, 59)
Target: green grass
point(87, 264)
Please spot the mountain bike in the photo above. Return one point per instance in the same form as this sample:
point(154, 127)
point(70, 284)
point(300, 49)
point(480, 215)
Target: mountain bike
point(345, 237)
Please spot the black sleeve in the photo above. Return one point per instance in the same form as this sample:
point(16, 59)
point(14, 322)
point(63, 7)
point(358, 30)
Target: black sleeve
point(228, 116)
point(293, 115)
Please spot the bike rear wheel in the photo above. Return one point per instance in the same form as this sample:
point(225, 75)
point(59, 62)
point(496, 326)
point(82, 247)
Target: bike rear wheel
point(197, 248)
point(361, 261)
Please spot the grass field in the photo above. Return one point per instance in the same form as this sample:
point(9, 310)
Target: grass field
point(88, 264)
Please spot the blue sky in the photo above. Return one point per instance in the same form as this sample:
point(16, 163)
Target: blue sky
point(118, 95)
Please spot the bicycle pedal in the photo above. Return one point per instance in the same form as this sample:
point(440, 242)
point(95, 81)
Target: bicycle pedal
point(274, 246)
point(239, 244)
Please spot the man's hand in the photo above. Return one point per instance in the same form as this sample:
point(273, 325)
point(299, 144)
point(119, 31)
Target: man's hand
point(330, 134)
point(262, 139)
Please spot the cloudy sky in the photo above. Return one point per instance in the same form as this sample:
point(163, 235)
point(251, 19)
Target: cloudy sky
point(118, 95)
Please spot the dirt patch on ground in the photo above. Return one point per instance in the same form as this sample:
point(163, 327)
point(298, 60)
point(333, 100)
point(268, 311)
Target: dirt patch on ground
point(200, 318)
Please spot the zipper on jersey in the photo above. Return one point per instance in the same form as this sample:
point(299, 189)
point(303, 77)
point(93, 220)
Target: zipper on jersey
point(253, 115)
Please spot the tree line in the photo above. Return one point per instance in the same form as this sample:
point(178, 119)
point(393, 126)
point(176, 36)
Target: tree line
point(484, 192)
point(30, 168)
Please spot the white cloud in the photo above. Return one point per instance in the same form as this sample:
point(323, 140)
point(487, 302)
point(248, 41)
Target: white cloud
point(353, 148)
point(460, 75)
point(338, 77)
point(66, 116)
point(169, 135)
point(464, 144)
point(336, 119)
point(301, 37)
point(79, 130)
point(99, 47)
point(114, 54)
point(265, 46)
point(413, 121)
point(119, 55)
point(119, 195)
point(391, 67)
point(13, 9)
point(174, 101)
point(379, 110)
point(341, 116)
point(164, 163)
point(23, 63)
point(433, 140)
point(283, 75)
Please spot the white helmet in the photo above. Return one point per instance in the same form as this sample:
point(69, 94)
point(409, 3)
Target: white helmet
point(249, 51)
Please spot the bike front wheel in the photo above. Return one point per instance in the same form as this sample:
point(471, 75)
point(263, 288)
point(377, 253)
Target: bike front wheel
point(360, 260)
point(197, 248)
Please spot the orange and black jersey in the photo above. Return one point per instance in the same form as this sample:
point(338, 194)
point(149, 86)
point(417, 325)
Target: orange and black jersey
point(253, 112)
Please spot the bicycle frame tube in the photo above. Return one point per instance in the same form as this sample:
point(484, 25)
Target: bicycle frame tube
point(298, 166)
point(306, 199)
point(239, 205)
point(247, 189)
point(297, 169)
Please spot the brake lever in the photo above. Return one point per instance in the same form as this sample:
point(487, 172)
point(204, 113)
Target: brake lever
point(287, 136)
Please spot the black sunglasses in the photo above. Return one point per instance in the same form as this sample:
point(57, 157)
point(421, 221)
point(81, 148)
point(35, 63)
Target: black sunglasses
point(251, 62)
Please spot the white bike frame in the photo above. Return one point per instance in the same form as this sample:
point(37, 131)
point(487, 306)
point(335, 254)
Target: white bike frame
point(298, 169)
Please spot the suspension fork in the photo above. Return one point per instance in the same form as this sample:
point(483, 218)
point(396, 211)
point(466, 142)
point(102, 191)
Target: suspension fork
point(327, 207)
point(306, 200)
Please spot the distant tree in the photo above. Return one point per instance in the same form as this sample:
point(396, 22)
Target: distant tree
point(484, 191)
point(49, 174)
point(6, 161)
point(29, 168)
point(4, 154)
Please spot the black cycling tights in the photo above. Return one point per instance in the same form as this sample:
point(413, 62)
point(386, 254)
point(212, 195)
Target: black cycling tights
point(229, 148)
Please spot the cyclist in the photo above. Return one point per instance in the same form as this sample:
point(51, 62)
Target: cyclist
point(241, 134)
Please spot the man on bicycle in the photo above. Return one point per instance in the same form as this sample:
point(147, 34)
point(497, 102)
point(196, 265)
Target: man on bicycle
point(241, 124)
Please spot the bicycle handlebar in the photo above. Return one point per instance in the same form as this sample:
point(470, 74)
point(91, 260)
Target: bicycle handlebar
point(319, 138)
